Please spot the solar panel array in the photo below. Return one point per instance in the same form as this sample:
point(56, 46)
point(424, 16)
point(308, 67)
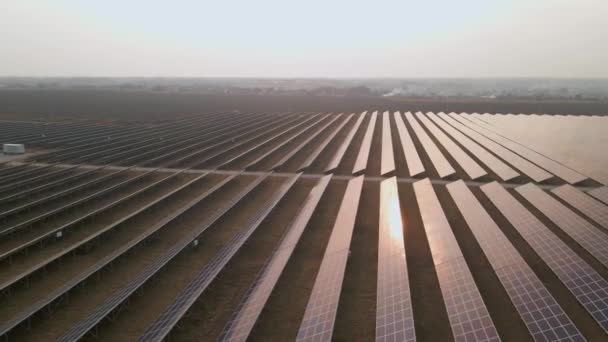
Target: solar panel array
point(583, 232)
point(529, 169)
point(320, 314)
point(173, 313)
point(131, 172)
point(440, 163)
point(285, 142)
point(548, 164)
point(394, 315)
point(271, 139)
point(246, 315)
point(587, 286)
point(312, 136)
point(504, 171)
point(543, 316)
point(414, 164)
point(366, 145)
point(28, 312)
point(468, 164)
point(468, 315)
point(323, 145)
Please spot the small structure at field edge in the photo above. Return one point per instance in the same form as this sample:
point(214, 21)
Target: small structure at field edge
point(13, 149)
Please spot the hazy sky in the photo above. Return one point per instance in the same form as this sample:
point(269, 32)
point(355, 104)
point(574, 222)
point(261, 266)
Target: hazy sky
point(314, 38)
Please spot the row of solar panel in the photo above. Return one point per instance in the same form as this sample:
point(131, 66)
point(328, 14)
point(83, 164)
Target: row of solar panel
point(502, 156)
point(177, 140)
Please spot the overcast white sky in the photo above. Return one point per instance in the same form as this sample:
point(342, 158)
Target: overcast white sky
point(313, 38)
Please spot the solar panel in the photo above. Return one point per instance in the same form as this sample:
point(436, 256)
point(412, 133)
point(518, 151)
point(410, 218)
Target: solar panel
point(388, 157)
point(366, 145)
point(337, 158)
point(320, 314)
point(246, 315)
point(529, 169)
point(543, 316)
point(414, 164)
point(394, 315)
point(468, 315)
point(440, 163)
point(583, 232)
point(589, 288)
point(589, 206)
point(600, 193)
point(313, 156)
point(502, 170)
point(548, 164)
point(470, 166)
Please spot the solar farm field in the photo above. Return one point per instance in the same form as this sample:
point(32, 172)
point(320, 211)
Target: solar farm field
point(297, 226)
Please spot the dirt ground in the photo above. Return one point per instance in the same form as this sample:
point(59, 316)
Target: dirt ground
point(143, 106)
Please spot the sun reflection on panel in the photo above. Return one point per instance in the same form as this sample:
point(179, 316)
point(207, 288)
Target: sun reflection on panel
point(390, 215)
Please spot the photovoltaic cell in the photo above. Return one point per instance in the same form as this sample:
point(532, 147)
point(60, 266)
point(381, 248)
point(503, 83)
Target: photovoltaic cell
point(468, 315)
point(470, 166)
point(592, 208)
point(320, 314)
point(529, 169)
point(583, 232)
point(502, 170)
point(544, 318)
point(589, 288)
point(337, 158)
point(388, 158)
point(414, 164)
point(548, 164)
point(246, 315)
point(600, 193)
point(366, 145)
point(440, 163)
point(394, 316)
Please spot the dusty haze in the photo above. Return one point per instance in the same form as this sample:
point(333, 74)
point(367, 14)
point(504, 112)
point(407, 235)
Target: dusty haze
point(504, 38)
